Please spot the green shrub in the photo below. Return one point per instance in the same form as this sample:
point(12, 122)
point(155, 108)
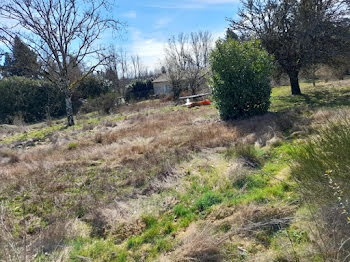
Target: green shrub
point(138, 90)
point(324, 157)
point(33, 100)
point(103, 104)
point(240, 78)
point(28, 99)
point(91, 87)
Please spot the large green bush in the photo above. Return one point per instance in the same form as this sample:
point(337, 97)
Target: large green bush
point(240, 78)
point(28, 99)
point(34, 100)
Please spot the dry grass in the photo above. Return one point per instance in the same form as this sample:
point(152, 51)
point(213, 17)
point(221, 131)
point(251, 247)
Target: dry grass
point(199, 244)
point(8, 157)
point(127, 165)
point(112, 163)
point(146, 105)
point(147, 134)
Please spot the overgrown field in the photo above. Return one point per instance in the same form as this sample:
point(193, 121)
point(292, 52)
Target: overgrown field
point(159, 182)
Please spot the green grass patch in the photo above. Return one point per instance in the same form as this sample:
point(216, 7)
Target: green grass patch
point(201, 196)
point(313, 97)
point(207, 200)
point(98, 250)
point(41, 134)
point(181, 211)
point(119, 118)
point(73, 145)
point(261, 195)
point(251, 181)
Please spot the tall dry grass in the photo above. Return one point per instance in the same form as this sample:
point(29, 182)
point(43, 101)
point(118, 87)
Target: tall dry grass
point(132, 159)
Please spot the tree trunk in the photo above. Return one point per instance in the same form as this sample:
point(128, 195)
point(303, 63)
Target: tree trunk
point(294, 82)
point(193, 90)
point(69, 110)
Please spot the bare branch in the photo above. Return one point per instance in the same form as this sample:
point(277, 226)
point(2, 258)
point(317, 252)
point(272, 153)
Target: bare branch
point(59, 30)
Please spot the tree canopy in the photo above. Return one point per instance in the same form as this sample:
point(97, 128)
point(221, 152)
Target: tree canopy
point(297, 33)
point(60, 31)
point(22, 61)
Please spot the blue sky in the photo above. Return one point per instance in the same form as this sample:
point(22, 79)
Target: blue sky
point(151, 23)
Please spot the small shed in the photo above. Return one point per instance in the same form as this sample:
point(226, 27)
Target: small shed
point(161, 85)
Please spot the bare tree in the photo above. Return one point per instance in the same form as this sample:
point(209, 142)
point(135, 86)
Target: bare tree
point(139, 70)
point(124, 70)
point(187, 58)
point(198, 59)
point(111, 69)
point(58, 30)
point(135, 61)
point(123, 61)
point(175, 62)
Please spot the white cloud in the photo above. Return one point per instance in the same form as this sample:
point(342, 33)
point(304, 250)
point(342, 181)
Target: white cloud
point(191, 4)
point(130, 14)
point(162, 22)
point(150, 50)
point(219, 34)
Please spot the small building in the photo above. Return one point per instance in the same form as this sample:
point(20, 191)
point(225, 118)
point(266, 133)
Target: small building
point(162, 85)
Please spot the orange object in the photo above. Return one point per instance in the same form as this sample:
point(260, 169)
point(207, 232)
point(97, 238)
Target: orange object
point(201, 103)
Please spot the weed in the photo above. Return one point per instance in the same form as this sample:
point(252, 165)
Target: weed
point(72, 145)
point(96, 250)
point(134, 241)
point(149, 221)
point(98, 138)
point(249, 153)
point(181, 211)
point(207, 200)
point(200, 246)
point(326, 151)
point(163, 245)
point(321, 170)
point(246, 181)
